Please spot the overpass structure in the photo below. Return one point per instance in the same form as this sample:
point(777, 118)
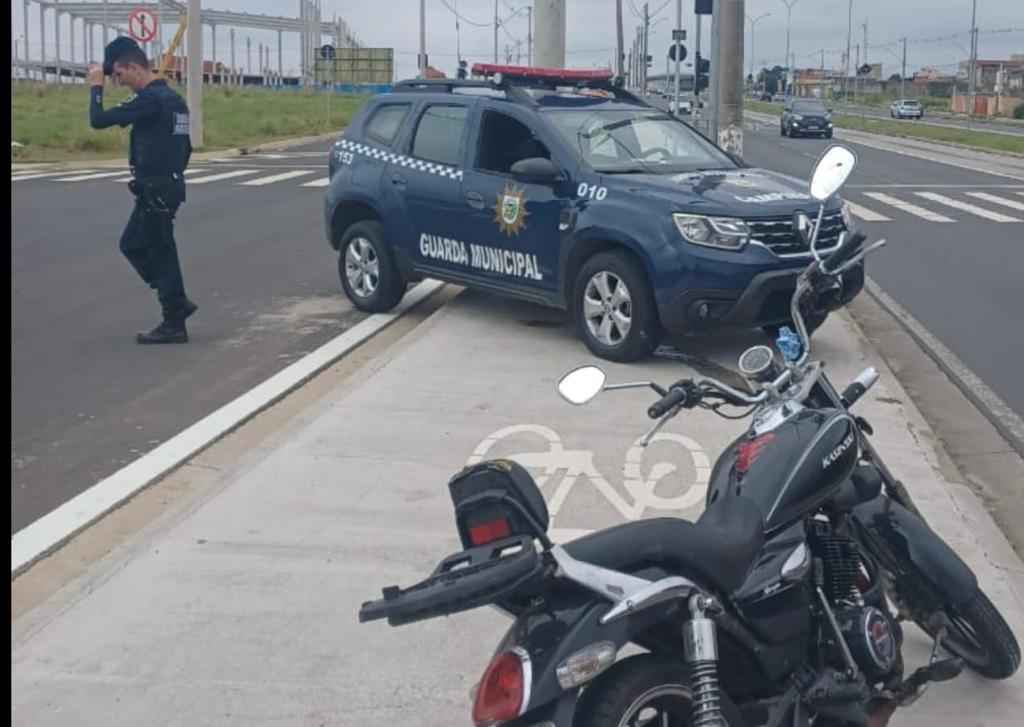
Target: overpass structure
point(100, 22)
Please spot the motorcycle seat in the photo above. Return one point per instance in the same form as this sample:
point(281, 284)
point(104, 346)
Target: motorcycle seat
point(717, 551)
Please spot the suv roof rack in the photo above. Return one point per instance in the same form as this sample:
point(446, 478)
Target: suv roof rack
point(518, 81)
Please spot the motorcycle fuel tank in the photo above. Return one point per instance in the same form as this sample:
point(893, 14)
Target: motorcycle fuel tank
point(792, 469)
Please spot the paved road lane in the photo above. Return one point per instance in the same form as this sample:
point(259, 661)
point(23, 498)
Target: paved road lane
point(85, 398)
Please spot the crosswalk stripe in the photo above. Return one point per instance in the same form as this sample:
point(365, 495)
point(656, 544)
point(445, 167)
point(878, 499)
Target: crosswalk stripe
point(1011, 203)
point(322, 182)
point(278, 177)
point(84, 177)
point(865, 214)
point(223, 175)
point(187, 172)
point(967, 207)
point(907, 207)
point(17, 177)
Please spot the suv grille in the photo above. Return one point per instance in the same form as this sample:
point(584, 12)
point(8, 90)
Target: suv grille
point(780, 237)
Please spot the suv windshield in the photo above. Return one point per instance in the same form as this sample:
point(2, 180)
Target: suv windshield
point(636, 140)
point(809, 107)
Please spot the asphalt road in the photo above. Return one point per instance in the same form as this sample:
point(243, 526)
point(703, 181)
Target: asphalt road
point(959, 277)
point(86, 399)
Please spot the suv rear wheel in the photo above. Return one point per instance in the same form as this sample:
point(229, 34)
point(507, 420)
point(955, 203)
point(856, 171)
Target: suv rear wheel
point(614, 309)
point(367, 269)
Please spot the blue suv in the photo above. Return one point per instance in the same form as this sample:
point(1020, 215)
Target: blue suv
point(564, 189)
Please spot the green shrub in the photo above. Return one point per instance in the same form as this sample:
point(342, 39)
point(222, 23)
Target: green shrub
point(1018, 113)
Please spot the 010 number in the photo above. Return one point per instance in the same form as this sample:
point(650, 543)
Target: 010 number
point(591, 191)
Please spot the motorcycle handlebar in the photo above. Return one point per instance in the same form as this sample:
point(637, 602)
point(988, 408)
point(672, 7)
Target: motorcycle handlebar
point(676, 395)
point(846, 251)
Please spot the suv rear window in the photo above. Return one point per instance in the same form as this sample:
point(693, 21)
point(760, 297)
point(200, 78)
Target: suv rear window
point(439, 134)
point(384, 123)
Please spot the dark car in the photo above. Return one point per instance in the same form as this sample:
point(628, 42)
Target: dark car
point(804, 116)
point(570, 192)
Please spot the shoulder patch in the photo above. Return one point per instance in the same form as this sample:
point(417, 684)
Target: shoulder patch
point(129, 99)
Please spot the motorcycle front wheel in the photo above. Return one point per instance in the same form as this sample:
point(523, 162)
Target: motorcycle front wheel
point(645, 690)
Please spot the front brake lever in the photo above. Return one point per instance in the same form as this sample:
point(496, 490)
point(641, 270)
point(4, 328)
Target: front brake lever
point(658, 425)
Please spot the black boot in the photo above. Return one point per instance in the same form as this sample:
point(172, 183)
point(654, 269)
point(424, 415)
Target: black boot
point(166, 332)
point(190, 308)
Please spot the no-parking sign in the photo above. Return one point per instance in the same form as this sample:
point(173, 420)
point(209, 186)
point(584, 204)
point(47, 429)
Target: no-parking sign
point(142, 25)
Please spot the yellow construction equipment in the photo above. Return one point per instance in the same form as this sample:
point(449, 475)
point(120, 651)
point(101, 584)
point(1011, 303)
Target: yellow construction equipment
point(168, 57)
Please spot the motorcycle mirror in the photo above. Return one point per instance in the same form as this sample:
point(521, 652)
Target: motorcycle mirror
point(831, 172)
point(581, 384)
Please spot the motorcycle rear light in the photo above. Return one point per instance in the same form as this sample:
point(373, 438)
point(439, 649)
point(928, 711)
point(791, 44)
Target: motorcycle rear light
point(488, 532)
point(747, 452)
point(586, 664)
point(503, 692)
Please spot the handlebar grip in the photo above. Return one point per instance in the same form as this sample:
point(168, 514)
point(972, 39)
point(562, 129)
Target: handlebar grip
point(667, 403)
point(846, 251)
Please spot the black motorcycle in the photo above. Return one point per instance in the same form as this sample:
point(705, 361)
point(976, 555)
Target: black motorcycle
point(780, 606)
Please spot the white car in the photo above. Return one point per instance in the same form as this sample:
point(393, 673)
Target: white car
point(685, 106)
point(906, 109)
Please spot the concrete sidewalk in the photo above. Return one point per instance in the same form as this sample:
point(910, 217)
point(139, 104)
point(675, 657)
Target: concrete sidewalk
point(240, 607)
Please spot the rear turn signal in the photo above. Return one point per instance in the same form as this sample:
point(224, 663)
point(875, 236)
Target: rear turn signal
point(503, 692)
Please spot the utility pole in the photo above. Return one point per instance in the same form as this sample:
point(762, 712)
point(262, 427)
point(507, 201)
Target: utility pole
point(679, 26)
point(194, 89)
point(620, 59)
point(56, 39)
point(856, 70)
point(234, 68)
point(24, 18)
point(248, 56)
point(280, 65)
point(645, 50)
point(495, 31)
point(903, 73)
point(550, 35)
point(849, 37)
point(423, 39)
point(753, 22)
point(728, 56)
point(106, 23)
point(789, 17)
point(529, 35)
point(974, 59)
point(699, 20)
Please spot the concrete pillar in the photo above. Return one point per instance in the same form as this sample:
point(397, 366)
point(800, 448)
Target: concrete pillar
point(42, 43)
point(213, 52)
point(194, 90)
point(280, 73)
point(549, 33)
point(728, 55)
point(56, 38)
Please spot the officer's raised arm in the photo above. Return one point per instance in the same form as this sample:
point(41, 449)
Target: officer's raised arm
point(134, 109)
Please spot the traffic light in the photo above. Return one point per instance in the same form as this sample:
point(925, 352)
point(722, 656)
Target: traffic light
point(701, 66)
point(462, 69)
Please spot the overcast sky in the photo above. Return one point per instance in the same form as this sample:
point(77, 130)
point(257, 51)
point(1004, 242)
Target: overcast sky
point(816, 24)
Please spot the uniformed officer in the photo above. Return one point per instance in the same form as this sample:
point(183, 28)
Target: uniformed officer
point(159, 152)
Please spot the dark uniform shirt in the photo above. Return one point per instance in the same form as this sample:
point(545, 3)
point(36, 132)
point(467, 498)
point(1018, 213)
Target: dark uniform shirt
point(160, 142)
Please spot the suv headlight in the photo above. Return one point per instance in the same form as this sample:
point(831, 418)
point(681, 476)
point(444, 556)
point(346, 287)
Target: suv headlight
point(722, 232)
point(798, 117)
point(847, 216)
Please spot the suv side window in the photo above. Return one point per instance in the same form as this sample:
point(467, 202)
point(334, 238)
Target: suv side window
point(505, 141)
point(439, 133)
point(384, 123)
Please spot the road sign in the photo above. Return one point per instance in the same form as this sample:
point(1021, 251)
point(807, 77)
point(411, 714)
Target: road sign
point(679, 34)
point(702, 7)
point(327, 52)
point(142, 25)
point(672, 52)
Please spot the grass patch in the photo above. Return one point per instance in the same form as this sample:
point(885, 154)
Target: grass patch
point(982, 140)
point(53, 121)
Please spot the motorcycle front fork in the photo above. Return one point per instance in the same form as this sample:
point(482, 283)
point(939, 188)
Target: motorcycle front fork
point(701, 644)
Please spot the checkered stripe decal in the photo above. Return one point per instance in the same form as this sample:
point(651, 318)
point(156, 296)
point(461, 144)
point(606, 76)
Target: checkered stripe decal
point(440, 170)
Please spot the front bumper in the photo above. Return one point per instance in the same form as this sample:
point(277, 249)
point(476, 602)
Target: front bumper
point(764, 301)
point(806, 127)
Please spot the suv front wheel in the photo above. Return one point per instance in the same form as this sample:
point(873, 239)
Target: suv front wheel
point(367, 269)
point(614, 308)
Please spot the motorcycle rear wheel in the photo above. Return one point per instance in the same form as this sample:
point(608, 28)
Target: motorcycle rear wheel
point(645, 690)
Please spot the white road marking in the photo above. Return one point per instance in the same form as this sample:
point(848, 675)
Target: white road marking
point(187, 171)
point(277, 177)
point(223, 175)
point(967, 207)
point(907, 207)
point(322, 182)
point(84, 177)
point(865, 214)
point(51, 531)
point(1011, 203)
point(18, 177)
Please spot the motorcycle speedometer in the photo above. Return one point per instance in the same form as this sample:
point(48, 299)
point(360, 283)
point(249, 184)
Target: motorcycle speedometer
point(758, 363)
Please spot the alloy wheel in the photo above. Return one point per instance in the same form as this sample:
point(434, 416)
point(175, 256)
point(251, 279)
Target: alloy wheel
point(362, 267)
point(607, 308)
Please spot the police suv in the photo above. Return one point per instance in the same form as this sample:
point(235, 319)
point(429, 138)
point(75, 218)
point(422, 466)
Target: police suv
point(560, 187)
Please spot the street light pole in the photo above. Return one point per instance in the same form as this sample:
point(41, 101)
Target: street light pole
point(789, 10)
point(753, 22)
point(973, 60)
point(849, 38)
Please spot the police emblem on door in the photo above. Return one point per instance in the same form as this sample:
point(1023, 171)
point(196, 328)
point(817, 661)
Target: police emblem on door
point(510, 210)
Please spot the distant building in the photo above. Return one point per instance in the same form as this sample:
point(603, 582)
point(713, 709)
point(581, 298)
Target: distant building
point(988, 74)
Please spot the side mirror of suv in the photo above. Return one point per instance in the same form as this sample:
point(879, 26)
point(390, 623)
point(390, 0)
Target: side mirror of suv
point(536, 170)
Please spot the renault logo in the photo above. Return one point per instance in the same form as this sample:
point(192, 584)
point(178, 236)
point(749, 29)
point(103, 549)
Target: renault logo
point(802, 226)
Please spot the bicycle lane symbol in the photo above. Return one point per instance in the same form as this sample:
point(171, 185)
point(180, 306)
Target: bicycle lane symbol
point(560, 469)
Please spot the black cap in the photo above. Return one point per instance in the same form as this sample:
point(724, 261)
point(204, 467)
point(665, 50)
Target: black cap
point(114, 50)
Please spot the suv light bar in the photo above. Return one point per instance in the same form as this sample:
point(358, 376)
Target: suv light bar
point(537, 73)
